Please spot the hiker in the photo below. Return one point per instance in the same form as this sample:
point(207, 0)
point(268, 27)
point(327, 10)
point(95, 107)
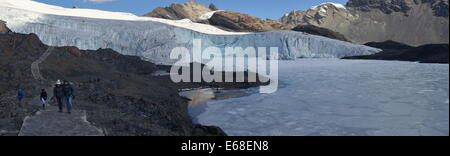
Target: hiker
point(20, 96)
point(68, 95)
point(43, 98)
point(58, 94)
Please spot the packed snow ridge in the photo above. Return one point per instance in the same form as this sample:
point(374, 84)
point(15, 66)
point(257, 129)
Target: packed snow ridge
point(324, 5)
point(152, 38)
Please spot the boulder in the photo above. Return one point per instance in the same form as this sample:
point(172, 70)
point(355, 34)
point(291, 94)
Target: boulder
point(314, 30)
point(73, 50)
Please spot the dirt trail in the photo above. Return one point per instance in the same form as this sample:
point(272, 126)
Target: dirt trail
point(51, 122)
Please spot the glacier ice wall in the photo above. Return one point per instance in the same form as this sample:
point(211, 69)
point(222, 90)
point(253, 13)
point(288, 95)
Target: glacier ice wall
point(153, 41)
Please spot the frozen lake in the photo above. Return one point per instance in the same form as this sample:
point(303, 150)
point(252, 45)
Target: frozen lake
point(341, 97)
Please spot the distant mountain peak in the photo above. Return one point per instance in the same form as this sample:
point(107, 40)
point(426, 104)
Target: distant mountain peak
point(188, 10)
point(415, 22)
point(327, 5)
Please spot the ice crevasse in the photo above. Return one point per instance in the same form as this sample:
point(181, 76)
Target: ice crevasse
point(153, 39)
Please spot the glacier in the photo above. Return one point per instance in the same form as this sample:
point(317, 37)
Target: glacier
point(153, 39)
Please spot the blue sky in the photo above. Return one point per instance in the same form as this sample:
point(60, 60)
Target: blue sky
point(273, 9)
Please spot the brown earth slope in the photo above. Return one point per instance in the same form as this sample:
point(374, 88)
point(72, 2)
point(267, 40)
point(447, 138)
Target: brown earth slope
point(118, 92)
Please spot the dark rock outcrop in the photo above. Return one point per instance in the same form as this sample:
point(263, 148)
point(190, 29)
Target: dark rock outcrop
point(432, 53)
point(245, 23)
point(188, 10)
point(313, 30)
point(388, 45)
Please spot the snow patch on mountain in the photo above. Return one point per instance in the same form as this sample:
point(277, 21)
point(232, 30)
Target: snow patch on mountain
point(208, 15)
point(325, 6)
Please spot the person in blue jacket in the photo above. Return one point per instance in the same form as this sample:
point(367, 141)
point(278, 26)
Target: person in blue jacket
point(20, 96)
point(68, 91)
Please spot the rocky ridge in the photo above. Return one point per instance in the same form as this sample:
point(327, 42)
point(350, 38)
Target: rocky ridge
point(245, 23)
point(414, 22)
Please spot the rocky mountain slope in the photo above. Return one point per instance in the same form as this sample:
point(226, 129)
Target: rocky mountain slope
point(225, 19)
point(235, 21)
point(16, 73)
point(432, 53)
point(188, 10)
point(414, 22)
point(118, 92)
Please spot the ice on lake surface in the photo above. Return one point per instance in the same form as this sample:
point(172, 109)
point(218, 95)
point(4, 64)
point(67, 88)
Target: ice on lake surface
point(341, 97)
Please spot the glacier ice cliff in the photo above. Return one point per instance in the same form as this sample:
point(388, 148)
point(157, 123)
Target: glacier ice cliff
point(154, 40)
